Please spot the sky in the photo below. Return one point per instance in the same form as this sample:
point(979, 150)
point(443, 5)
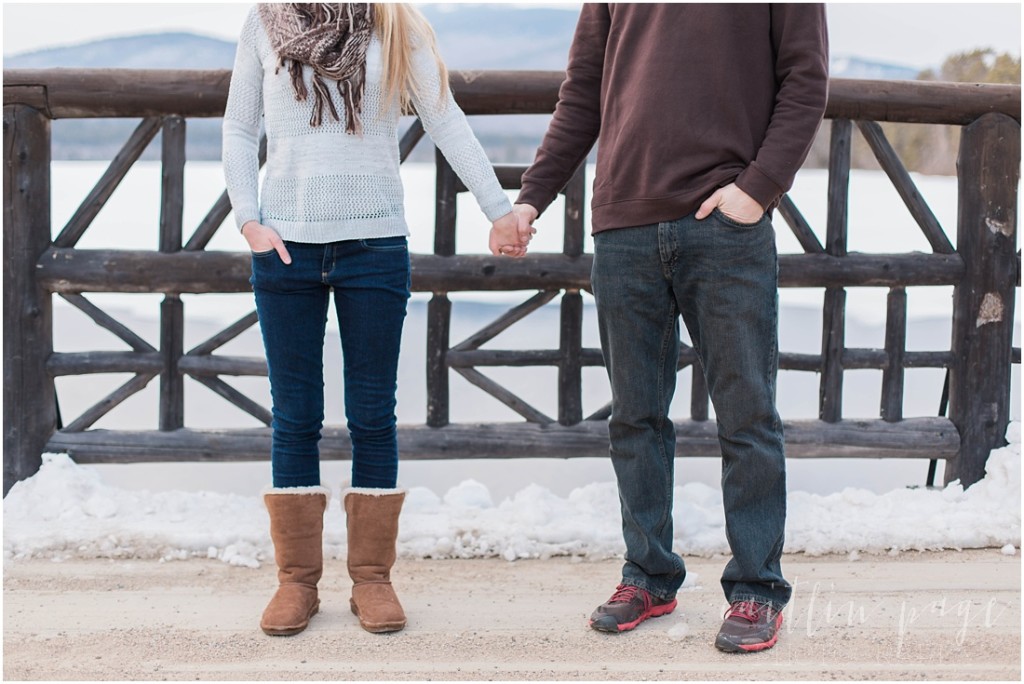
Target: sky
point(918, 35)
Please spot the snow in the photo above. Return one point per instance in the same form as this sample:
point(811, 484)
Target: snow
point(679, 631)
point(67, 511)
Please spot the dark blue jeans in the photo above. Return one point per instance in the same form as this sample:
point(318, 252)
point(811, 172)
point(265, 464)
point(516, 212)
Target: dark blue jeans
point(723, 278)
point(370, 281)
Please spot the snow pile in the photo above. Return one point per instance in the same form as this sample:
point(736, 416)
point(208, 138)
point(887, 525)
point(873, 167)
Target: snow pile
point(986, 515)
point(66, 511)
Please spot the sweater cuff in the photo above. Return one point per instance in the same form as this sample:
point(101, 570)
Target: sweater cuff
point(755, 183)
point(536, 196)
point(497, 209)
point(243, 217)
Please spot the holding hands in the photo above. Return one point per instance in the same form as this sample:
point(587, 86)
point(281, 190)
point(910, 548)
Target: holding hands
point(511, 234)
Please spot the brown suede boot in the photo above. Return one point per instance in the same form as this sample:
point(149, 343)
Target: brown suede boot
point(296, 528)
point(372, 533)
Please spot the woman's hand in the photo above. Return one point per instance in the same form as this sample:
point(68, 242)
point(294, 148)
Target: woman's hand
point(508, 237)
point(263, 239)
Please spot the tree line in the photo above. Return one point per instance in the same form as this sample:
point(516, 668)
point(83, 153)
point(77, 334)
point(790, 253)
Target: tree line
point(927, 148)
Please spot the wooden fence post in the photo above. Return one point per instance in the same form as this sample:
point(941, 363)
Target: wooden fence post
point(570, 375)
point(988, 169)
point(30, 404)
point(439, 308)
point(172, 311)
point(833, 336)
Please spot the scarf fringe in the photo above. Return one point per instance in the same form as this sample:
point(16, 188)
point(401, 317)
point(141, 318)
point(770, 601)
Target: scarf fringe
point(332, 38)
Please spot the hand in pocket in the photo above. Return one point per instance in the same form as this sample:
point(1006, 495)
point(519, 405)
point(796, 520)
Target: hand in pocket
point(263, 239)
point(734, 203)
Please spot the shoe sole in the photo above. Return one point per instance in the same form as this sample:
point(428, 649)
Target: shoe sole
point(723, 643)
point(293, 629)
point(376, 628)
point(613, 627)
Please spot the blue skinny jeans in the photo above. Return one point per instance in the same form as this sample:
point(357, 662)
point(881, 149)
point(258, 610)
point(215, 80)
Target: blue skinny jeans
point(370, 282)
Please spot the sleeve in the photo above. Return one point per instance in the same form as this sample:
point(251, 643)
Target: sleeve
point(576, 124)
point(243, 117)
point(800, 40)
point(448, 128)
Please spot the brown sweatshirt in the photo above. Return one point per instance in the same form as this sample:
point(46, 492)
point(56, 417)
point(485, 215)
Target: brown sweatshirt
point(683, 99)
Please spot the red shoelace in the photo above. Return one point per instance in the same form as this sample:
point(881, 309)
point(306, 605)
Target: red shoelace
point(748, 610)
point(624, 593)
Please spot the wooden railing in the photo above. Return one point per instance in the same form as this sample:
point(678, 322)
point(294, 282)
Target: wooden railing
point(984, 269)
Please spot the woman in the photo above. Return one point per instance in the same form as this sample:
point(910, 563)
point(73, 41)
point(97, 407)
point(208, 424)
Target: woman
point(328, 82)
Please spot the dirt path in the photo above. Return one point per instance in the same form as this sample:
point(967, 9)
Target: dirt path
point(951, 616)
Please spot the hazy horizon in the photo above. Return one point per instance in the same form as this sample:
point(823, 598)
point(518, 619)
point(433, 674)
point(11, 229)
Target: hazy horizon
point(918, 35)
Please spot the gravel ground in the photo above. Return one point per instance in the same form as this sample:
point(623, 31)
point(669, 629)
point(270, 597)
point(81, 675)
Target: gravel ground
point(930, 616)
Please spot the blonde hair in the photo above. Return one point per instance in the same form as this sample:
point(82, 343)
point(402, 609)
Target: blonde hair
point(400, 28)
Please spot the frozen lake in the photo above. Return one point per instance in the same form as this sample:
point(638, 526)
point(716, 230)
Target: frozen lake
point(878, 223)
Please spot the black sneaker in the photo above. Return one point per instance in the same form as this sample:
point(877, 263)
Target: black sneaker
point(627, 608)
point(749, 626)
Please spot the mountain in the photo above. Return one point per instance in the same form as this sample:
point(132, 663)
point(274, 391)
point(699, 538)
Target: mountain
point(497, 37)
point(527, 38)
point(855, 67)
point(469, 36)
point(152, 51)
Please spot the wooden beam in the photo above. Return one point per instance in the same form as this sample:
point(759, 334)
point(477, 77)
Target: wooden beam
point(236, 398)
point(833, 335)
point(503, 395)
point(570, 363)
point(891, 408)
point(85, 93)
point(905, 187)
point(108, 182)
point(924, 438)
point(109, 402)
point(108, 322)
point(799, 226)
point(929, 102)
point(439, 321)
point(214, 218)
point(83, 363)
point(226, 335)
point(85, 270)
point(505, 321)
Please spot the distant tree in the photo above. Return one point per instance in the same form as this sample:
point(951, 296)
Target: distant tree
point(977, 66)
point(926, 148)
point(933, 149)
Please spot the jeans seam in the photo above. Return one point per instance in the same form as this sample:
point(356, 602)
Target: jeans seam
point(661, 416)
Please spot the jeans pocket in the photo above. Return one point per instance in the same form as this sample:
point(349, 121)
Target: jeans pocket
point(732, 223)
point(264, 253)
point(385, 244)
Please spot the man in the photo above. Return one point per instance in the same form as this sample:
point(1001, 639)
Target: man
point(702, 114)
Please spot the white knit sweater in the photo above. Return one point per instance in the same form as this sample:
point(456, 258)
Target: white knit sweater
point(323, 184)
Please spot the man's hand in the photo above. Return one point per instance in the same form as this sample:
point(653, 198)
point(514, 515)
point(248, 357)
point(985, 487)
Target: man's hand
point(526, 214)
point(734, 203)
point(262, 239)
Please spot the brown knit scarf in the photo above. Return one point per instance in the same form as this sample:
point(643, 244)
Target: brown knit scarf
point(330, 37)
